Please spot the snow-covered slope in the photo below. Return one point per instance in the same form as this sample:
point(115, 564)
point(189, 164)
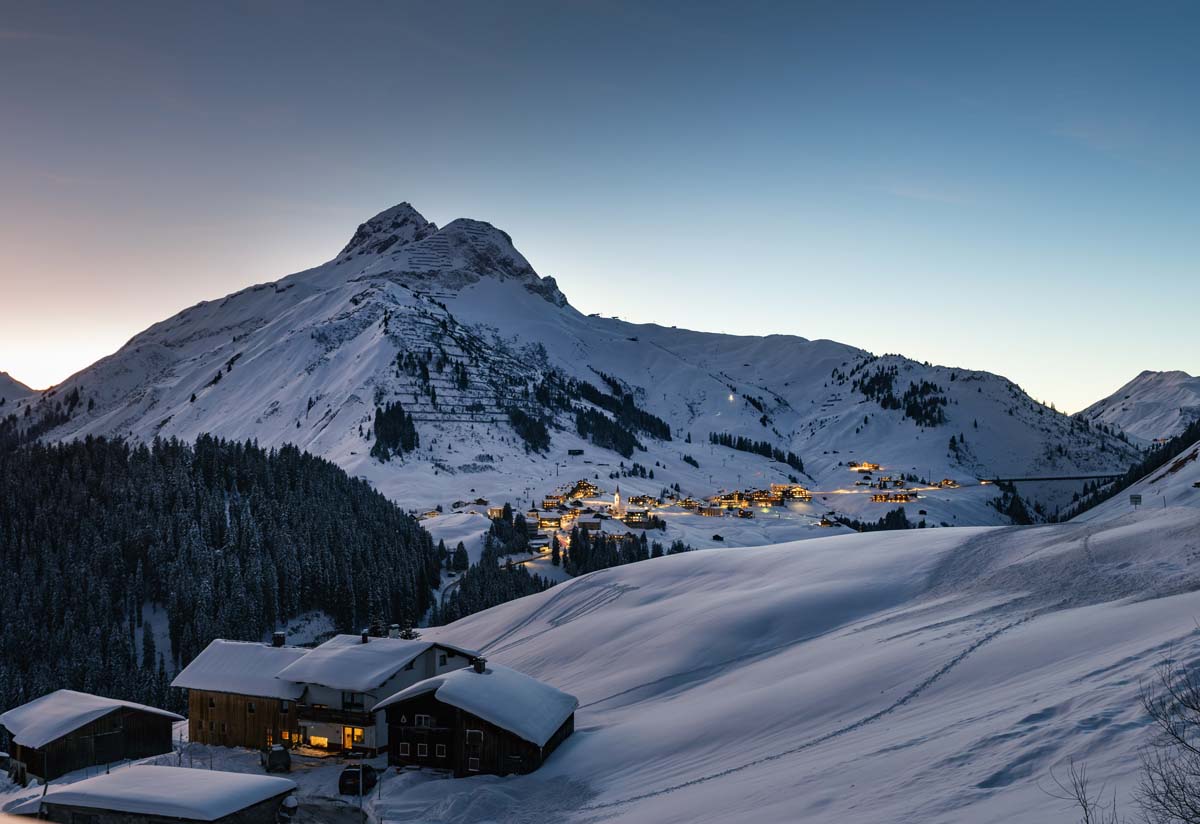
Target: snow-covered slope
point(455, 324)
point(933, 676)
point(11, 389)
point(1152, 405)
point(1173, 485)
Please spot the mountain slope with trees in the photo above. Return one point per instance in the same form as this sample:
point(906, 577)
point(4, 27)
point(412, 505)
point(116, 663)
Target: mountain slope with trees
point(231, 539)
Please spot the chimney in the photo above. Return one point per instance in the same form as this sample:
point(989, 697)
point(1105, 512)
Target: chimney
point(479, 664)
point(277, 639)
point(365, 636)
point(394, 631)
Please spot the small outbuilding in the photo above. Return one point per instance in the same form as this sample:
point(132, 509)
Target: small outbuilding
point(143, 794)
point(68, 730)
point(483, 719)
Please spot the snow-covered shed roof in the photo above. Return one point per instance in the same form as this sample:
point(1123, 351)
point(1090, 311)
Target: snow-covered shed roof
point(514, 701)
point(174, 792)
point(244, 668)
point(344, 662)
point(54, 715)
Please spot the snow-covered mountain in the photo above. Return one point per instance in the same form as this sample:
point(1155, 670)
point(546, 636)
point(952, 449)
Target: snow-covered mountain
point(456, 326)
point(11, 389)
point(1153, 405)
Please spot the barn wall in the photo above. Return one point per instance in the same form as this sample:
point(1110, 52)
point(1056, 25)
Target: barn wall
point(261, 813)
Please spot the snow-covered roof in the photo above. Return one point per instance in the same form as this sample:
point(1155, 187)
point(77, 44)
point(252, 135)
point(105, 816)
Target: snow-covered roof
point(242, 667)
point(514, 701)
point(344, 662)
point(175, 792)
point(54, 715)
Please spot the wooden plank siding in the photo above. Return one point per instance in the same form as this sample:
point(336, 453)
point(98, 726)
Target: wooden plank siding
point(122, 734)
point(231, 720)
point(465, 736)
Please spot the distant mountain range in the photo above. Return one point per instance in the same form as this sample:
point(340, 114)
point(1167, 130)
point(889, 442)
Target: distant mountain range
point(1154, 405)
point(11, 389)
point(505, 390)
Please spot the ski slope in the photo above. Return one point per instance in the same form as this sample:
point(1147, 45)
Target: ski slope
point(1177, 483)
point(933, 676)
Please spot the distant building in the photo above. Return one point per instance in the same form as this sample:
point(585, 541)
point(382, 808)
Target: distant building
point(67, 730)
point(144, 794)
point(710, 511)
point(549, 522)
point(574, 452)
point(637, 516)
point(483, 719)
point(617, 507)
point(495, 512)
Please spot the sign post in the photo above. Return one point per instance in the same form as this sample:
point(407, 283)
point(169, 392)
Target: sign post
point(1136, 500)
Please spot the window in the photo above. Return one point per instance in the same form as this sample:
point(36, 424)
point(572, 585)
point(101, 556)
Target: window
point(422, 751)
point(423, 720)
point(285, 707)
point(285, 735)
point(250, 707)
point(222, 727)
point(474, 736)
point(473, 764)
point(212, 726)
point(404, 748)
point(442, 660)
point(212, 703)
point(352, 700)
point(440, 750)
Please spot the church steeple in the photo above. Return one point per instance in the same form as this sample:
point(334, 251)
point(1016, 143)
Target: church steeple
point(617, 502)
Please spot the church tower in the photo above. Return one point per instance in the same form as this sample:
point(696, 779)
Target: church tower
point(617, 510)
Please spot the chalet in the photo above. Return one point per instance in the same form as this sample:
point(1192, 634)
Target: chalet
point(483, 719)
point(235, 698)
point(495, 512)
point(948, 483)
point(67, 730)
point(549, 522)
point(480, 502)
point(864, 466)
point(574, 453)
point(590, 525)
point(644, 501)
point(893, 497)
point(540, 543)
point(429, 513)
point(552, 501)
point(145, 794)
point(348, 674)
point(710, 511)
point(636, 516)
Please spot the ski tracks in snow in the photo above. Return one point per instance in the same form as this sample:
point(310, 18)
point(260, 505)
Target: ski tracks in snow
point(846, 729)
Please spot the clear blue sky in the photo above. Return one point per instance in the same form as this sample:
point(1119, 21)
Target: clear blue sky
point(1003, 186)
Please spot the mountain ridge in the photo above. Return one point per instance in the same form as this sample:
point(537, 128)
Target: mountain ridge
point(455, 326)
point(1152, 406)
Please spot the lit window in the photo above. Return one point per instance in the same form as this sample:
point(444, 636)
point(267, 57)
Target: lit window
point(285, 735)
point(404, 748)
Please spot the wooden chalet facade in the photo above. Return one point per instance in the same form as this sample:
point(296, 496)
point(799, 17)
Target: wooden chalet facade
point(235, 698)
point(67, 731)
point(462, 724)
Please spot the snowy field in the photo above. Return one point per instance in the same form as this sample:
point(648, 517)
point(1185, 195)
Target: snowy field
point(926, 676)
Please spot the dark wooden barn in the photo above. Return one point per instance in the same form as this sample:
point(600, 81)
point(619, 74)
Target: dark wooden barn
point(67, 730)
point(484, 719)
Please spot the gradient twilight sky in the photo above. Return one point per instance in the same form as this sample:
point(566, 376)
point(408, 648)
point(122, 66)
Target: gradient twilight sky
point(1001, 186)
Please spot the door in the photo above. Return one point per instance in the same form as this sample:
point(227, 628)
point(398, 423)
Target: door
point(352, 737)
